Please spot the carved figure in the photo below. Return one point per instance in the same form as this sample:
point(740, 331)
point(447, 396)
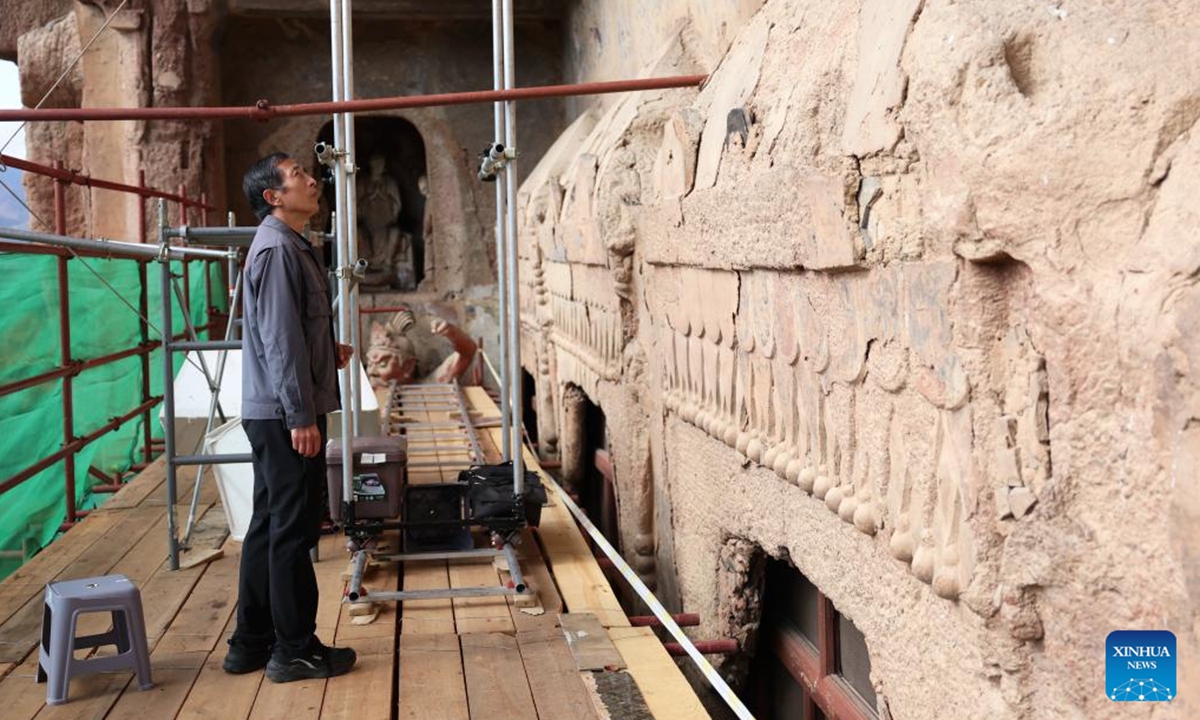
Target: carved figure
point(382, 243)
point(393, 354)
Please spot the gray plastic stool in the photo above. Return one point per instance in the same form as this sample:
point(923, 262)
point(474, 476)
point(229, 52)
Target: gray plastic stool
point(65, 602)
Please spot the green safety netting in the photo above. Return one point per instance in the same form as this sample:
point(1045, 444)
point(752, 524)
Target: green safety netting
point(31, 420)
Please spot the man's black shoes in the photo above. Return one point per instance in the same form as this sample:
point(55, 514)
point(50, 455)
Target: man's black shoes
point(319, 661)
point(242, 659)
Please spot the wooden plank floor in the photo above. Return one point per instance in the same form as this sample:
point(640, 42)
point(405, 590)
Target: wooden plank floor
point(465, 659)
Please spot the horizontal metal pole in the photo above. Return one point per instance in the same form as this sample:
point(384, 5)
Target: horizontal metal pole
point(446, 593)
point(107, 248)
point(239, 236)
point(459, 555)
point(227, 459)
point(264, 110)
point(185, 345)
point(75, 178)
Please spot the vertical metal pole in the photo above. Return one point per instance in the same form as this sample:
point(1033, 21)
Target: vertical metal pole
point(187, 283)
point(501, 255)
point(64, 341)
point(168, 389)
point(231, 279)
point(351, 206)
point(143, 325)
point(208, 268)
point(343, 250)
point(514, 289)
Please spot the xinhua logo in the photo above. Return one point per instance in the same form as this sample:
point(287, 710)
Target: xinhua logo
point(1140, 666)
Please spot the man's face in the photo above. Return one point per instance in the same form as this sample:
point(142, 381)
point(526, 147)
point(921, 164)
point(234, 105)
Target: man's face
point(299, 194)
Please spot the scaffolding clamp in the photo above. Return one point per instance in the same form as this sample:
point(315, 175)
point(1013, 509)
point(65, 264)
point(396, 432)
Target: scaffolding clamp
point(494, 159)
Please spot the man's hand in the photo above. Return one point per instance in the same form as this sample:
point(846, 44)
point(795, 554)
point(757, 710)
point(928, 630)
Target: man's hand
point(439, 327)
point(345, 352)
point(307, 440)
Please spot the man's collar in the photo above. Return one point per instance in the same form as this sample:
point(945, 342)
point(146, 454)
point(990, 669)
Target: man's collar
point(274, 222)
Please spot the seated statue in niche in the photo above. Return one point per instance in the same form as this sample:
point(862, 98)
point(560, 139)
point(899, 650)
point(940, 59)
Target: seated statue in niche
point(386, 247)
point(402, 352)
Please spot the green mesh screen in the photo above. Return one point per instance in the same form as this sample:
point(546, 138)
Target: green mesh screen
point(31, 420)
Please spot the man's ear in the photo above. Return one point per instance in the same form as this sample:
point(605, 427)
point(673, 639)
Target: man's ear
point(270, 195)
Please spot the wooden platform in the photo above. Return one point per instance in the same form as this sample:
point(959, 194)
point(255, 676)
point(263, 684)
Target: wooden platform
point(467, 658)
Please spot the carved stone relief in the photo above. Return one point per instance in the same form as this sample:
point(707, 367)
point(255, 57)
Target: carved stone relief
point(819, 382)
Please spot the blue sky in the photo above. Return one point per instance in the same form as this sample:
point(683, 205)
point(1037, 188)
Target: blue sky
point(10, 98)
point(11, 212)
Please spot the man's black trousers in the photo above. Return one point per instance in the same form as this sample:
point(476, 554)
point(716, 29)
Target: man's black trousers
point(277, 588)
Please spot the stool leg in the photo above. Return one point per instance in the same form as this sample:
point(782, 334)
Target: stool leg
point(62, 642)
point(121, 631)
point(44, 646)
point(135, 625)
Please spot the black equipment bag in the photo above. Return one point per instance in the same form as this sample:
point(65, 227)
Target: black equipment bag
point(490, 498)
point(434, 518)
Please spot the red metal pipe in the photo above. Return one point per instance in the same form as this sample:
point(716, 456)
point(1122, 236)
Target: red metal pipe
point(706, 647)
point(264, 110)
point(64, 341)
point(681, 619)
point(74, 368)
point(75, 178)
point(75, 446)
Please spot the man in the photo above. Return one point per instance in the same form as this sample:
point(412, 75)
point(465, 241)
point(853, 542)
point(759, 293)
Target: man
point(289, 383)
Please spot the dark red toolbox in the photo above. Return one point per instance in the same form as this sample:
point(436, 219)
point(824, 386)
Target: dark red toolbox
point(380, 467)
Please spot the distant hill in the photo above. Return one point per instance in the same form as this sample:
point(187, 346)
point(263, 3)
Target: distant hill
point(12, 214)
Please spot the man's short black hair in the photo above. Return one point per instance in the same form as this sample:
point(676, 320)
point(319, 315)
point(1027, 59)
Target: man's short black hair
point(262, 176)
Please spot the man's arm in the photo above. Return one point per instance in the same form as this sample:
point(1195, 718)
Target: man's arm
point(281, 325)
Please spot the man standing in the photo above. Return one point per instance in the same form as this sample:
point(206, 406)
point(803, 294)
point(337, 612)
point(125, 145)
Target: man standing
point(289, 382)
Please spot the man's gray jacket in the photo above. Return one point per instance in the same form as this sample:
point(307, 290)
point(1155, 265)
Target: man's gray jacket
point(289, 355)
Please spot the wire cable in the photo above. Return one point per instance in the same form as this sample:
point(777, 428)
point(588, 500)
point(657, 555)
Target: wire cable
point(57, 82)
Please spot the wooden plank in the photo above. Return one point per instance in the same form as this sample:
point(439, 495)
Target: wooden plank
point(330, 586)
point(497, 687)
point(217, 695)
point(589, 643)
point(6, 668)
point(142, 486)
point(385, 578)
point(580, 580)
point(29, 580)
point(300, 700)
point(431, 678)
point(581, 583)
point(557, 688)
point(483, 614)
point(426, 617)
point(666, 691)
point(174, 674)
point(538, 577)
point(367, 691)
point(20, 696)
point(19, 634)
point(201, 621)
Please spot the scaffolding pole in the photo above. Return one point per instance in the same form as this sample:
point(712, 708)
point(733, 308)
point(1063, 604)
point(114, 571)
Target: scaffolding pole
point(510, 237)
point(344, 227)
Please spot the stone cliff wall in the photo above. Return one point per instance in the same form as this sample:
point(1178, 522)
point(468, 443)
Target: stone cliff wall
point(909, 292)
